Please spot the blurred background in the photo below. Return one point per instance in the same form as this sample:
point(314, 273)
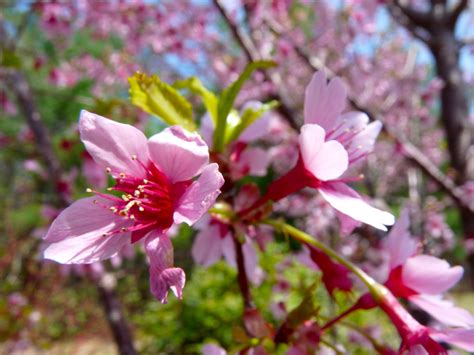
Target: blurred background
point(409, 64)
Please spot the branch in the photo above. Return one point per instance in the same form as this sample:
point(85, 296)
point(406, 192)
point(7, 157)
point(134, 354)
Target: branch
point(112, 307)
point(251, 52)
point(418, 31)
point(242, 275)
point(456, 12)
point(417, 18)
point(108, 297)
point(22, 91)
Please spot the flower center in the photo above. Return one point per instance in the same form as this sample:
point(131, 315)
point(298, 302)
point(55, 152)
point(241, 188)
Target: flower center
point(149, 202)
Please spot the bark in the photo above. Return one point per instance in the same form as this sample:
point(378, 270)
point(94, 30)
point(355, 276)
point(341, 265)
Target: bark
point(108, 297)
point(440, 23)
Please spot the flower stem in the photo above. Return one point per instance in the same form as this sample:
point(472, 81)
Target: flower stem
point(377, 290)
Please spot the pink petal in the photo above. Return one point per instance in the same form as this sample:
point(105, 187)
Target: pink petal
point(430, 275)
point(199, 196)
point(94, 173)
point(113, 144)
point(258, 128)
point(228, 249)
point(323, 103)
point(179, 154)
point(207, 128)
point(76, 235)
point(325, 160)
point(348, 224)
point(207, 247)
point(399, 244)
point(444, 311)
point(256, 160)
point(254, 272)
point(363, 143)
point(211, 349)
point(462, 338)
point(162, 275)
point(345, 200)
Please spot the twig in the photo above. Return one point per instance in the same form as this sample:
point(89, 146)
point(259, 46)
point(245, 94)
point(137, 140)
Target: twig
point(108, 296)
point(252, 54)
point(242, 275)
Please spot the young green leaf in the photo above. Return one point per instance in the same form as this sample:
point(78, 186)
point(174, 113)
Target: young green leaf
point(160, 99)
point(195, 85)
point(249, 116)
point(228, 96)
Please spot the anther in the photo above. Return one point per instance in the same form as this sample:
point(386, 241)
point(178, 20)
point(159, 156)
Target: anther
point(89, 190)
point(134, 157)
point(94, 202)
point(108, 170)
point(122, 175)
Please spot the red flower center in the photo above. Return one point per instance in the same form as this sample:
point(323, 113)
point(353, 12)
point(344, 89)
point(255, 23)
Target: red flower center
point(149, 202)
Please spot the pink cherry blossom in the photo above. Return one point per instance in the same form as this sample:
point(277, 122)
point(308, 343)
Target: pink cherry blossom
point(422, 279)
point(320, 165)
point(324, 104)
point(156, 180)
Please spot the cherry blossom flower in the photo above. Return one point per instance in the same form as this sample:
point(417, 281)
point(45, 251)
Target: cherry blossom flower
point(156, 180)
point(323, 106)
point(328, 144)
point(319, 166)
point(215, 240)
point(422, 279)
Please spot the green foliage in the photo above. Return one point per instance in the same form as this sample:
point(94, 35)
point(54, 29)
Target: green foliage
point(228, 96)
point(249, 116)
point(160, 99)
point(197, 87)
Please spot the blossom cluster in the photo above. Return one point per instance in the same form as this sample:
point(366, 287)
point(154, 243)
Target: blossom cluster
point(177, 176)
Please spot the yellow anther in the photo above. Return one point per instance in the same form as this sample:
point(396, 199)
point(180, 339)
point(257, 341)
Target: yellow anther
point(113, 209)
point(89, 190)
point(141, 209)
point(145, 181)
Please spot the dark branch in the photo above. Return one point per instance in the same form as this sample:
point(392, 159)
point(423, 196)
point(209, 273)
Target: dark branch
point(251, 52)
point(242, 275)
point(456, 12)
point(417, 18)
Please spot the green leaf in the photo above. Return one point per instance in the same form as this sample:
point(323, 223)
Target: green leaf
point(249, 116)
point(228, 96)
point(10, 59)
point(160, 99)
point(195, 85)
